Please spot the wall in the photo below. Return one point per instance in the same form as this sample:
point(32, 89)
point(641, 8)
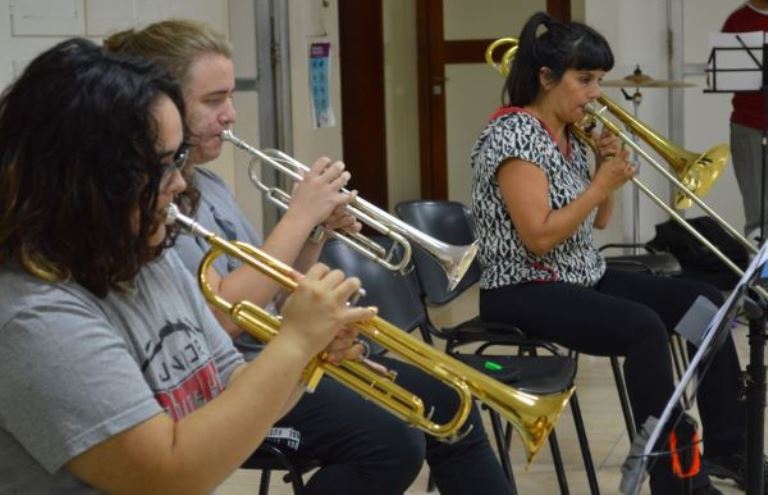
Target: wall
point(706, 114)
point(313, 21)
point(642, 39)
point(245, 40)
point(28, 27)
point(401, 100)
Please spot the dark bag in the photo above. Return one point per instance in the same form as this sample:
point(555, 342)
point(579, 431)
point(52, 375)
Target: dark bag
point(698, 262)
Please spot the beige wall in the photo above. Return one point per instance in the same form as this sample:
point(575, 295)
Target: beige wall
point(473, 91)
point(28, 27)
point(313, 21)
point(636, 31)
point(243, 36)
point(401, 100)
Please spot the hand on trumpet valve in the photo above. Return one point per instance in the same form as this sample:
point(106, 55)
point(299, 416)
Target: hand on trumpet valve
point(316, 315)
point(341, 219)
point(318, 194)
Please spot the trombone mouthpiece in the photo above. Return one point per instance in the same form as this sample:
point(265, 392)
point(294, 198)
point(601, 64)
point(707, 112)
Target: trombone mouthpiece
point(594, 108)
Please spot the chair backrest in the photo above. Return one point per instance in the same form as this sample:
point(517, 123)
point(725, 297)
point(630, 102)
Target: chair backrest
point(395, 294)
point(448, 221)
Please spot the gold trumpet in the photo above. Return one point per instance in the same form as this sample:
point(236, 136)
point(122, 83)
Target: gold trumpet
point(697, 172)
point(532, 416)
point(454, 260)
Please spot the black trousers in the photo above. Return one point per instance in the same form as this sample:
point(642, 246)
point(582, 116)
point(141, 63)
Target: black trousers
point(366, 450)
point(631, 315)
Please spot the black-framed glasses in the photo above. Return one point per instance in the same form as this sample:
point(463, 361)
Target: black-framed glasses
point(177, 163)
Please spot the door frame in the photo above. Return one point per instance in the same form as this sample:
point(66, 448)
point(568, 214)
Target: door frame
point(434, 52)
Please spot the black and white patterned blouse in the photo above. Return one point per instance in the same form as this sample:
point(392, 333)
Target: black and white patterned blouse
point(505, 260)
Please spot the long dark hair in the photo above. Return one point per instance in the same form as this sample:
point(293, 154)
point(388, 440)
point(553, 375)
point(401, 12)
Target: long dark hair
point(560, 47)
point(78, 161)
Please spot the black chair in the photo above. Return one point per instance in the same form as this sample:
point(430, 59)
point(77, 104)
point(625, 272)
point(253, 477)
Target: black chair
point(268, 458)
point(452, 222)
point(399, 302)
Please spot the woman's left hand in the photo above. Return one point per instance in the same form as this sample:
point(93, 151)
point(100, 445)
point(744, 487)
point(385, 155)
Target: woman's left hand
point(608, 145)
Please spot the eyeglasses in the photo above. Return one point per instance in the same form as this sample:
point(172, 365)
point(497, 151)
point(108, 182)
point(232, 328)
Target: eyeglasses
point(179, 160)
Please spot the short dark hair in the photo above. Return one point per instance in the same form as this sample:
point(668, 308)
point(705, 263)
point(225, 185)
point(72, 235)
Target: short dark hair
point(77, 160)
point(560, 47)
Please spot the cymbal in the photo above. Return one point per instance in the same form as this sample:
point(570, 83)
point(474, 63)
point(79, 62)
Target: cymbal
point(639, 80)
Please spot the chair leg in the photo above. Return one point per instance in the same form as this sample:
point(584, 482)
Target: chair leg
point(586, 454)
point(503, 448)
point(557, 460)
point(680, 362)
point(431, 485)
point(297, 482)
point(264, 482)
point(621, 387)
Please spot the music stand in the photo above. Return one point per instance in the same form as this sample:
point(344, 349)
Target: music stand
point(735, 64)
point(635, 466)
point(739, 62)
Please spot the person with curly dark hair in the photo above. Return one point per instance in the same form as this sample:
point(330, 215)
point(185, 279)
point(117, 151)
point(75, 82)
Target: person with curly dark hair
point(116, 377)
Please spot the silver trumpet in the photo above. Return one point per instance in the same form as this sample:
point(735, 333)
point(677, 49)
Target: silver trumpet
point(454, 260)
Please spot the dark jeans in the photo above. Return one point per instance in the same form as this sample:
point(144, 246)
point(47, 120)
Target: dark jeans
point(366, 450)
point(631, 315)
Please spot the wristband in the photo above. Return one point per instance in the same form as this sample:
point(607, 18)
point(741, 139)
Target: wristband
point(318, 235)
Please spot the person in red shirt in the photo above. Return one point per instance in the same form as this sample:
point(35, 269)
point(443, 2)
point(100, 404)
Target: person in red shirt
point(748, 120)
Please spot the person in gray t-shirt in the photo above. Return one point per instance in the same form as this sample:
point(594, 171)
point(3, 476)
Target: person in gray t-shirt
point(361, 447)
point(113, 370)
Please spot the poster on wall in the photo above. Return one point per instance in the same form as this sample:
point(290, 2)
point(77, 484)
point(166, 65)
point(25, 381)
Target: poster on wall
point(320, 85)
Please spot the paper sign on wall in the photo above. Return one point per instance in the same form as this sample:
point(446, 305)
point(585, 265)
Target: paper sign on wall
point(319, 85)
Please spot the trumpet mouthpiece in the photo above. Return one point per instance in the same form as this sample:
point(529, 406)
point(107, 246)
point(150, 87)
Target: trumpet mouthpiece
point(171, 214)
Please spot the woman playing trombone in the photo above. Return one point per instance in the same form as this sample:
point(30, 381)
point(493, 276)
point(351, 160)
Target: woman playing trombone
point(362, 448)
point(536, 203)
point(116, 378)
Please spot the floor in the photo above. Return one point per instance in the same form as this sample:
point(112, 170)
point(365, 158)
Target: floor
point(602, 416)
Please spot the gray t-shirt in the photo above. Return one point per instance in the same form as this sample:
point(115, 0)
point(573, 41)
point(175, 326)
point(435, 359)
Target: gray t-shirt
point(77, 369)
point(219, 213)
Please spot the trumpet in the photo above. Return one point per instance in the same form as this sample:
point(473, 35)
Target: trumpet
point(697, 171)
point(454, 260)
point(533, 416)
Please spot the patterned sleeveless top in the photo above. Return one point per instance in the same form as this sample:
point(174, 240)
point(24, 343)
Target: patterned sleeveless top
point(516, 133)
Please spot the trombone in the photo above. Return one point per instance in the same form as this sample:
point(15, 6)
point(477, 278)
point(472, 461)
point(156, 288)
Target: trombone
point(698, 172)
point(454, 260)
point(533, 416)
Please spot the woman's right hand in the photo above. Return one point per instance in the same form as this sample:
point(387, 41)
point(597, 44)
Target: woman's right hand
point(318, 194)
point(614, 172)
point(317, 314)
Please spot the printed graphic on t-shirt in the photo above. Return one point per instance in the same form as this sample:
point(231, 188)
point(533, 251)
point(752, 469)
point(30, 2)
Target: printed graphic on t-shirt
point(180, 369)
point(284, 437)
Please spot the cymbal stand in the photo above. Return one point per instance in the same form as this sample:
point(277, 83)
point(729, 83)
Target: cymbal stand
point(636, 98)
